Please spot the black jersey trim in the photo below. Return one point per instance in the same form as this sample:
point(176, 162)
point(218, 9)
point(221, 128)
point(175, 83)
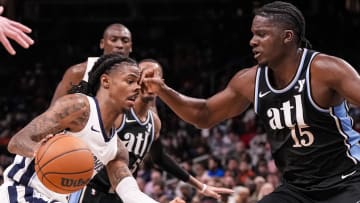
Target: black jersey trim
point(138, 119)
point(308, 84)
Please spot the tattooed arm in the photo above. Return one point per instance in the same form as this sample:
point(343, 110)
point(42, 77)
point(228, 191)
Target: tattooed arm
point(69, 112)
point(122, 180)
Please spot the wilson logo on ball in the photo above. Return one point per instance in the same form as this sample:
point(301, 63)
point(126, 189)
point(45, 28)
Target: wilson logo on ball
point(66, 182)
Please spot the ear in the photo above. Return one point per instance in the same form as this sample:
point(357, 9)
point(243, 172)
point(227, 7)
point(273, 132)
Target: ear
point(105, 81)
point(101, 44)
point(288, 36)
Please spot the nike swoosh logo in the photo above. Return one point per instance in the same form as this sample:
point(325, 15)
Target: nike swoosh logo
point(261, 94)
point(347, 175)
point(129, 121)
point(93, 129)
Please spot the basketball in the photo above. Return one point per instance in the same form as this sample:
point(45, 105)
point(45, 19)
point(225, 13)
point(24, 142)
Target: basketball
point(64, 164)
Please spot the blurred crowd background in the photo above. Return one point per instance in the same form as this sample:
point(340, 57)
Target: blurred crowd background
point(200, 44)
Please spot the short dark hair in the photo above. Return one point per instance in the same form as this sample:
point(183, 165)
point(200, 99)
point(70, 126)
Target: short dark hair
point(289, 16)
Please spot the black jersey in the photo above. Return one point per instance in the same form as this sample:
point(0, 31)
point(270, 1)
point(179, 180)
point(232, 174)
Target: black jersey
point(138, 137)
point(313, 147)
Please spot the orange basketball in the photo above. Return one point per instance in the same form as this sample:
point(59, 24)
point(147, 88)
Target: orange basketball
point(64, 164)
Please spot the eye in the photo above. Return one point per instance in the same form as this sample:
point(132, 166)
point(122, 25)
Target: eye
point(125, 40)
point(113, 39)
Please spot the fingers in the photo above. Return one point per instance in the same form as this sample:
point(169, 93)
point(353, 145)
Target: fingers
point(224, 190)
point(6, 44)
point(20, 26)
point(15, 31)
point(20, 37)
point(1, 9)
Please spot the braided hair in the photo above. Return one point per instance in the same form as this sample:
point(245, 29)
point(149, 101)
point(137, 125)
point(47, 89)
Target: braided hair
point(289, 16)
point(103, 65)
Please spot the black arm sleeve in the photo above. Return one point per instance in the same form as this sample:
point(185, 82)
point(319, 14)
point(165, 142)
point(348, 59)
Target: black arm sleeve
point(162, 159)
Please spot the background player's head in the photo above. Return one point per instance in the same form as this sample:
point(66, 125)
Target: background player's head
point(116, 38)
point(277, 26)
point(146, 96)
point(113, 77)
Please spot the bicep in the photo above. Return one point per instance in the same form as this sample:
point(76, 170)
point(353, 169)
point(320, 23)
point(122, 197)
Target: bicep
point(234, 99)
point(347, 84)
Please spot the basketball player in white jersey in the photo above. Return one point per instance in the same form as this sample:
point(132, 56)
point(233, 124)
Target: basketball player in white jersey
point(139, 130)
point(117, 38)
point(111, 89)
point(15, 31)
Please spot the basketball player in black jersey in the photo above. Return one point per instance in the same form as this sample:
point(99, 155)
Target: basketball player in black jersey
point(301, 97)
point(116, 38)
point(139, 130)
point(15, 31)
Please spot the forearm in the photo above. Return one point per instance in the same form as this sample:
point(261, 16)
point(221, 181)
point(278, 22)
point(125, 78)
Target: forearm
point(125, 184)
point(192, 110)
point(24, 147)
point(167, 163)
point(28, 139)
point(196, 183)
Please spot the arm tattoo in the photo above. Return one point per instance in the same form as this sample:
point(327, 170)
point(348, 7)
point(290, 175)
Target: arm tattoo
point(52, 124)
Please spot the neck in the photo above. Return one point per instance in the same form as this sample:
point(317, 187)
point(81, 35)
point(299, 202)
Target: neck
point(141, 110)
point(284, 70)
point(108, 114)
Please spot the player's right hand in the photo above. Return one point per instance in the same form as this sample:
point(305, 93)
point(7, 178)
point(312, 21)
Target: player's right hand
point(151, 81)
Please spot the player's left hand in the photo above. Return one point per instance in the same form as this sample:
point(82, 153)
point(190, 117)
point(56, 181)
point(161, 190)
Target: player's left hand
point(215, 192)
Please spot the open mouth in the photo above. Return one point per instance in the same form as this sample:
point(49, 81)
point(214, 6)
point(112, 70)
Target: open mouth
point(256, 54)
point(133, 97)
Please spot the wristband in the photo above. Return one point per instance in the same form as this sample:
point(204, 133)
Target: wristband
point(204, 187)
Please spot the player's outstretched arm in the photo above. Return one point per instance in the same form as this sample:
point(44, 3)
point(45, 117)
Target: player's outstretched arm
point(161, 158)
point(15, 31)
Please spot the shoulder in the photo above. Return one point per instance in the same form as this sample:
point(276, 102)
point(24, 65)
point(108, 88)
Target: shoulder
point(76, 70)
point(324, 65)
point(326, 61)
point(245, 75)
point(243, 82)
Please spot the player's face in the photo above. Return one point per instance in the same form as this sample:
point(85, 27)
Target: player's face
point(123, 85)
point(117, 39)
point(266, 42)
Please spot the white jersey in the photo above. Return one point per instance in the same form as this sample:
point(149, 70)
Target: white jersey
point(89, 65)
point(20, 181)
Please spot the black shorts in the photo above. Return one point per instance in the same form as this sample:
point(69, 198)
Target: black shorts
point(345, 191)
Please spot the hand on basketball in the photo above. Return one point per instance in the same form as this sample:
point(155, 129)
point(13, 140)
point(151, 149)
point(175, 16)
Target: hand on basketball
point(13, 30)
point(44, 140)
point(151, 80)
point(215, 192)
